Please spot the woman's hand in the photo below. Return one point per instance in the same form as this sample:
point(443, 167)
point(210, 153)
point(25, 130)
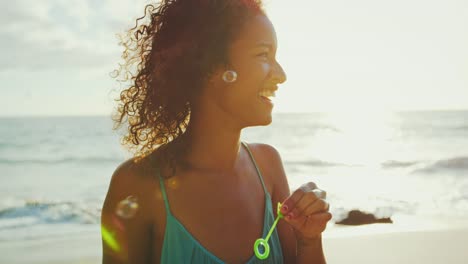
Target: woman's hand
point(307, 211)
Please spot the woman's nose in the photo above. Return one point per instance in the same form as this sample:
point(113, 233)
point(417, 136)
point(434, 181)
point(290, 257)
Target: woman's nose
point(279, 75)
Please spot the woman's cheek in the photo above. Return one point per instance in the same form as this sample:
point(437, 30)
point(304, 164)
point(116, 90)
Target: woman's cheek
point(264, 69)
point(258, 70)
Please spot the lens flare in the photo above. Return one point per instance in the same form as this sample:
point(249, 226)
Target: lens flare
point(109, 239)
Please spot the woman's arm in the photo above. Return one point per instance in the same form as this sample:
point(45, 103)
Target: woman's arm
point(294, 250)
point(125, 240)
point(310, 251)
point(273, 168)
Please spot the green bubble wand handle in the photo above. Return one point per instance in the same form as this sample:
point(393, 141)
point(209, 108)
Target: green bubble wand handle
point(264, 242)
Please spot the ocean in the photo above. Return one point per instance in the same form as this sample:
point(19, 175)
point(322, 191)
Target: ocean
point(55, 171)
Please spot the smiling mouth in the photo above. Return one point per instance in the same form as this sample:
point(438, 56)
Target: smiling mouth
point(266, 100)
point(270, 93)
point(267, 95)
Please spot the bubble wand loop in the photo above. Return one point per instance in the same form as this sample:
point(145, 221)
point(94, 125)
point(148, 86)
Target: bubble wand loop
point(264, 242)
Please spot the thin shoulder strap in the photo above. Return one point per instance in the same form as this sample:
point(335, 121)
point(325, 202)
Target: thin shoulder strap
point(256, 167)
point(163, 190)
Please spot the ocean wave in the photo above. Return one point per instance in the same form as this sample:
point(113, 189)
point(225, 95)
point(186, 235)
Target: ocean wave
point(317, 163)
point(390, 164)
point(37, 212)
point(454, 164)
point(325, 127)
point(461, 128)
point(65, 160)
point(12, 144)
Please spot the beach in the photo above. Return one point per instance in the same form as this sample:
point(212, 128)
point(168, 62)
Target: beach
point(411, 167)
point(418, 247)
point(428, 243)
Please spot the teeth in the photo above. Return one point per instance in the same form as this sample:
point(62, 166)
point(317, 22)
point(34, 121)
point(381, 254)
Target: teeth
point(267, 93)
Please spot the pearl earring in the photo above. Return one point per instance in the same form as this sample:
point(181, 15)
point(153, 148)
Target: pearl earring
point(229, 76)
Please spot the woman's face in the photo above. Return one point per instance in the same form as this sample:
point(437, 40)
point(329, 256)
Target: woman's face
point(252, 56)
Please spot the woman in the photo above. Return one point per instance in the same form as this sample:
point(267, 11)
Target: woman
point(200, 72)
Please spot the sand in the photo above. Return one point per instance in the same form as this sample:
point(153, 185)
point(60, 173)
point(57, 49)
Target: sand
point(417, 247)
point(404, 242)
point(81, 249)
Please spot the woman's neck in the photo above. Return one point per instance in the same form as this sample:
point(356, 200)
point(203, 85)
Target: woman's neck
point(214, 145)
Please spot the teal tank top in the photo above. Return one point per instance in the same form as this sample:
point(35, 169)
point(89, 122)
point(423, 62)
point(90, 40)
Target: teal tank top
point(180, 246)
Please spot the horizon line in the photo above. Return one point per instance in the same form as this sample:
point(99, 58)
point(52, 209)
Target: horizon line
point(282, 112)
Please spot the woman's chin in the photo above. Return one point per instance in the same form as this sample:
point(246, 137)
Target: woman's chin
point(264, 120)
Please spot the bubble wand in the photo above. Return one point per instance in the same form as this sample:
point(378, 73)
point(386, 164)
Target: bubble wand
point(264, 242)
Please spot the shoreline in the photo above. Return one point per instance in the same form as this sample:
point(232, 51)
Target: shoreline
point(423, 247)
point(407, 240)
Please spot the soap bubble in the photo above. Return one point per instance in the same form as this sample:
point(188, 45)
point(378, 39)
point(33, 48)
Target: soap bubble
point(261, 249)
point(127, 208)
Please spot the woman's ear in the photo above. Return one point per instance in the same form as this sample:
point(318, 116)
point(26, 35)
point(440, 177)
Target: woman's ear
point(215, 78)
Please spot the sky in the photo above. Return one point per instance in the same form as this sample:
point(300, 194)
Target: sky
point(341, 55)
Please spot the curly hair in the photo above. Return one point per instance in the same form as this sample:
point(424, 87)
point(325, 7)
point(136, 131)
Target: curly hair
point(168, 55)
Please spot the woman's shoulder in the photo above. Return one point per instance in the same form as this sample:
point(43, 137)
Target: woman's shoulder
point(268, 158)
point(266, 155)
point(130, 174)
point(130, 178)
point(128, 213)
point(263, 149)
